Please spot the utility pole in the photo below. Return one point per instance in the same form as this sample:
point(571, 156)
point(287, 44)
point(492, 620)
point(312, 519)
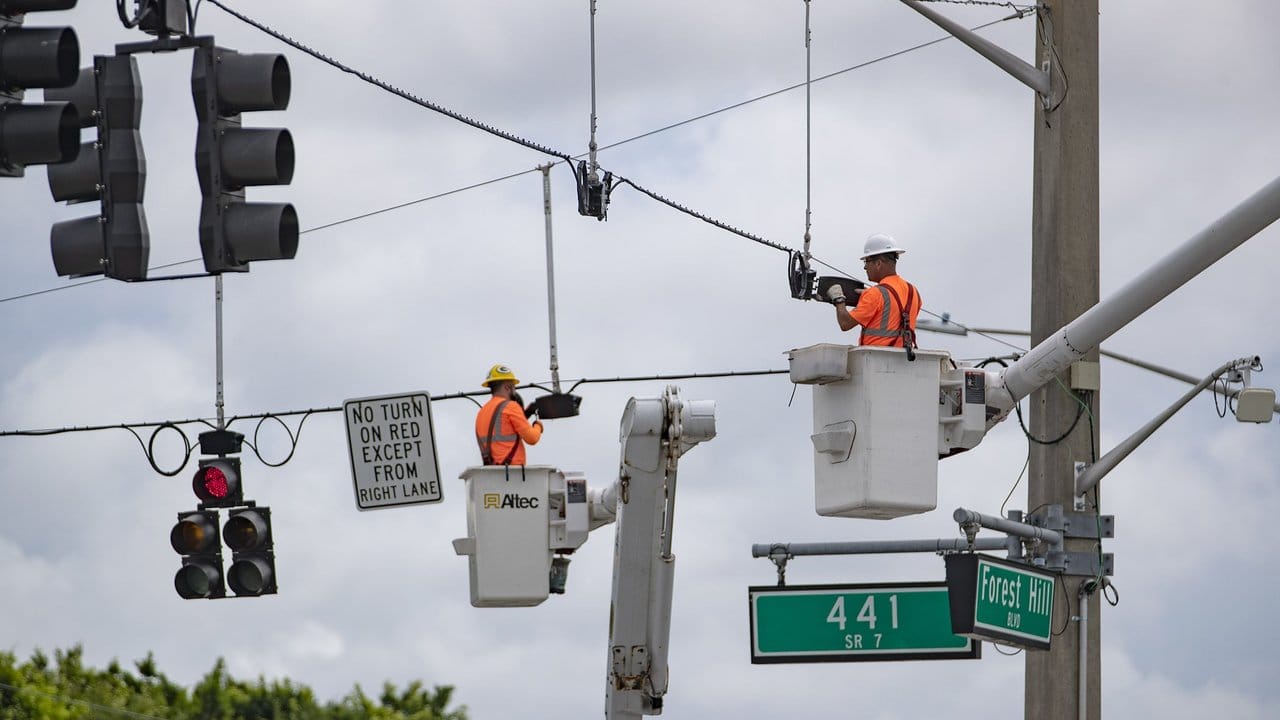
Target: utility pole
point(1064, 283)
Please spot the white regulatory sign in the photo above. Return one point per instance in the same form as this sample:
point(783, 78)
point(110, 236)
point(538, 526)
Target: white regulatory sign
point(393, 451)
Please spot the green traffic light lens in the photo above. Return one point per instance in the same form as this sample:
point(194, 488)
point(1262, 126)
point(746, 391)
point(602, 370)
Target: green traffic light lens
point(195, 580)
point(249, 577)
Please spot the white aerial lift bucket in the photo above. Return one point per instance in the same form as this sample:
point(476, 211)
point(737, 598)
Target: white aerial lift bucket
point(864, 468)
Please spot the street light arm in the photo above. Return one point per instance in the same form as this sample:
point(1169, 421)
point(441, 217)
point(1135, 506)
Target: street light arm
point(1089, 478)
point(1021, 70)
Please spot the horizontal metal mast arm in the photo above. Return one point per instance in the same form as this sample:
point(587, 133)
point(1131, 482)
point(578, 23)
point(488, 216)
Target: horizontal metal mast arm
point(874, 547)
point(1011, 527)
point(1056, 353)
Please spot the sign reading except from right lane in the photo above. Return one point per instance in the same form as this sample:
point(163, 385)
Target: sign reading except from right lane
point(854, 623)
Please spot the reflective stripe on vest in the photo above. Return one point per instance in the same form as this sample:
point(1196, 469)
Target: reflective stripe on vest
point(486, 442)
point(883, 330)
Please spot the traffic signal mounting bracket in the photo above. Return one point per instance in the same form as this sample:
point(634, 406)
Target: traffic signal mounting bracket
point(220, 442)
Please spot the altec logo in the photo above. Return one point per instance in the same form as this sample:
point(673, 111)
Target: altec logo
point(508, 500)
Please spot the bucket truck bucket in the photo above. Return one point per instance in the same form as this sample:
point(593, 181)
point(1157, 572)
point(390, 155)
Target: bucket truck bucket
point(517, 516)
point(875, 428)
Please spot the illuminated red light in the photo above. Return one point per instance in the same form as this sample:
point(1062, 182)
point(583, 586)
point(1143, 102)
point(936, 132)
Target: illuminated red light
point(215, 482)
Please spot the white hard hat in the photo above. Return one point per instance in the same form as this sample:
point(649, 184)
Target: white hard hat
point(880, 244)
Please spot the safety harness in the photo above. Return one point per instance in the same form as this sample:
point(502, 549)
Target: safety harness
point(904, 336)
point(486, 444)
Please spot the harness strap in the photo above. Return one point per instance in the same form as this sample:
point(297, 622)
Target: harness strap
point(486, 445)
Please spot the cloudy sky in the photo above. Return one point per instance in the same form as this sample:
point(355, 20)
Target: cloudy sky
point(933, 147)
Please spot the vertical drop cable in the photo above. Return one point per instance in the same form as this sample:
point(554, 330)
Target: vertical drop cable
point(217, 330)
point(808, 152)
point(591, 148)
point(551, 277)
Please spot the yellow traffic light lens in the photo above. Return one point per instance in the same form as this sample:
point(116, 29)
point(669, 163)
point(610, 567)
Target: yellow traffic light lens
point(192, 534)
point(246, 531)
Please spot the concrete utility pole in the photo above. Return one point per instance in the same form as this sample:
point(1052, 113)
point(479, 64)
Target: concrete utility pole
point(1064, 283)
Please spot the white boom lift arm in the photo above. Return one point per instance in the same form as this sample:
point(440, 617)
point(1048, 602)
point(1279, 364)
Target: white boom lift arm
point(655, 433)
point(1055, 354)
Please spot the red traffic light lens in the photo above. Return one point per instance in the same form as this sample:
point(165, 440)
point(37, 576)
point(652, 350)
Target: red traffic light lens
point(214, 482)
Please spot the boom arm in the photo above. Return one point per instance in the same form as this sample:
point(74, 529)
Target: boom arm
point(1055, 354)
point(655, 433)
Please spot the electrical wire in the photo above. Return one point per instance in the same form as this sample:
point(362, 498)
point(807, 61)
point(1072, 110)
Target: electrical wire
point(612, 145)
point(1022, 473)
point(295, 436)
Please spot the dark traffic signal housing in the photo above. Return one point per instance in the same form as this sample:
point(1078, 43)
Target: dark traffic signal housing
point(195, 538)
point(111, 170)
point(35, 134)
point(230, 157)
point(217, 482)
point(253, 562)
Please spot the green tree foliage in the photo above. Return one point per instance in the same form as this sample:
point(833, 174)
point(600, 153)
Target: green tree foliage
point(65, 689)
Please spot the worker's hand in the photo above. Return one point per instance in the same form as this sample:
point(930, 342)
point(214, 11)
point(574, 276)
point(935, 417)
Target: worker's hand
point(836, 293)
point(531, 410)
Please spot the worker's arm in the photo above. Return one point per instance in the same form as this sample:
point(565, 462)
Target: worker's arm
point(844, 318)
point(514, 414)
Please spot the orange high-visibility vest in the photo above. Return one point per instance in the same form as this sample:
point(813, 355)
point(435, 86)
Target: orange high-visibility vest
point(502, 430)
point(875, 312)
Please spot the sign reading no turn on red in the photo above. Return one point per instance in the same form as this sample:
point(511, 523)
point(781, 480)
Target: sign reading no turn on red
point(393, 451)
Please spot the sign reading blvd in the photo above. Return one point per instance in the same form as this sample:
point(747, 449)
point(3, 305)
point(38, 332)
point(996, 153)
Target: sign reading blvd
point(393, 451)
point(853, 623)
point(1000, 600)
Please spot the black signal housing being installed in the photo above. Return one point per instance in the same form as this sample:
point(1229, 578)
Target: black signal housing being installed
point(230, 157)
point(47, 57)
point(111, 170)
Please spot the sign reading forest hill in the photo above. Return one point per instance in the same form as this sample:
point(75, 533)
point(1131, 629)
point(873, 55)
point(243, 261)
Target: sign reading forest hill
point(393, 451)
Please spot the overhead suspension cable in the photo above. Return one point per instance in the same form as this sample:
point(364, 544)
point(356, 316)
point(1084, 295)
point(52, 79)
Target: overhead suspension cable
point(808, 130)
point(295, 435)
point(618, 143)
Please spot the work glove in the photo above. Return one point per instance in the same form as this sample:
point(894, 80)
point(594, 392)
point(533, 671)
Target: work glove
point(836, 293)
point(531, 410)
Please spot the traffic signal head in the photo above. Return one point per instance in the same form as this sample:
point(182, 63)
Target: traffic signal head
point(195, 537)
point(35, 134)
point(217, 482)
point(112, 170)
point(253, 563)
point(229, 158)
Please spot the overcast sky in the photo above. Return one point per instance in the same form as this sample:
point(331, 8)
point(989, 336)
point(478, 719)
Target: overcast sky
point(933, 147)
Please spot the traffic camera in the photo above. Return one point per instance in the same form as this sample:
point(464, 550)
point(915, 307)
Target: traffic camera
point(111, 170)
point(35, 134)
point(230, 157)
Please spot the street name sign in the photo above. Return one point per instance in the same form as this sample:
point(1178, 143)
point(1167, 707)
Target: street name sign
point(854, 623)
point(393, 451)
point(1001, 600)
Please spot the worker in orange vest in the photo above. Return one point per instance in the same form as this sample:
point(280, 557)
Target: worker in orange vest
point(887, 311)
point(501, 426)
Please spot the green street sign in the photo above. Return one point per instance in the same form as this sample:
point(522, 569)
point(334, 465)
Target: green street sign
point(854, 623)
point(1000, 600)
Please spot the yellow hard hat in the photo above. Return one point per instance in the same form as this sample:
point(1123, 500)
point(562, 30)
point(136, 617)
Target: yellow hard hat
point(498, 373)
